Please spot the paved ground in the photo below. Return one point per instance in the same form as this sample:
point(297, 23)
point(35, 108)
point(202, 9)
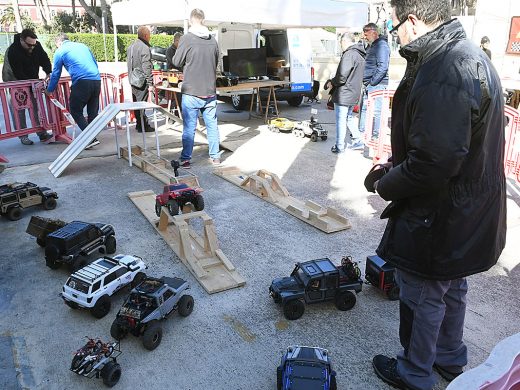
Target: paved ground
point(232, 340)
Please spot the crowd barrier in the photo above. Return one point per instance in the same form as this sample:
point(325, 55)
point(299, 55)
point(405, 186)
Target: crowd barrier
point(380, 145)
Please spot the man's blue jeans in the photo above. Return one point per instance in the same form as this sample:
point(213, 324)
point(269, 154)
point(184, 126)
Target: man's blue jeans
point(377, 110)
point(190, 112)
point(345, 118)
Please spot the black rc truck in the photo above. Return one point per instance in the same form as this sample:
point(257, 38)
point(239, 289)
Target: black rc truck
point(317, 281)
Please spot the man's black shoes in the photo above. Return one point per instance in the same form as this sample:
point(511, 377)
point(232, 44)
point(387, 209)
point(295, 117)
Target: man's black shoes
point(447, 374)
point(386, 369)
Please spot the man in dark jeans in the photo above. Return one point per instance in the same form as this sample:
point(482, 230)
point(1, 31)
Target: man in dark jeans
point(86, 80)
point(447, 216)
point(139, 56)
point(23, 60)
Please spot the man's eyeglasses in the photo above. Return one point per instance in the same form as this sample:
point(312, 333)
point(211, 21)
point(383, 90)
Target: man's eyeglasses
point(394, 30)
point(30, 44)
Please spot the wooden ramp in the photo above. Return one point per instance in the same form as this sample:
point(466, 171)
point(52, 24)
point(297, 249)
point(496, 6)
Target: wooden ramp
point(269, 187)
point(201, 255)
point(159, 167)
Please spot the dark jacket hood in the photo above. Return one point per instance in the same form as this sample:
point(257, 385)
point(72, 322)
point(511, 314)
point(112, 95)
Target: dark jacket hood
point(359, 48)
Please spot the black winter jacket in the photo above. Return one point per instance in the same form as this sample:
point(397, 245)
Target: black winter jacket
point(447, 218)
point(349, 76)
point(26, 66)
point(377, 62)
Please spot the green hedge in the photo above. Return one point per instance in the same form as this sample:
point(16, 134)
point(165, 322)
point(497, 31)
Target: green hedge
point(95, 43)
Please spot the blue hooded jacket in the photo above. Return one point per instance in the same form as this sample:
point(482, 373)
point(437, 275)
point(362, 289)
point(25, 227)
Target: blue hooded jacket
point(376, 63)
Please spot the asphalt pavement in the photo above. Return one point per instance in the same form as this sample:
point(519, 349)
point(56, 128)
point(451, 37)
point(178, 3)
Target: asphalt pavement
point(234, 339)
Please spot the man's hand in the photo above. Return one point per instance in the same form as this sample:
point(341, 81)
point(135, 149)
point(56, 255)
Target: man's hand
point(327, 85)
point(47, 77)
point(49, 94)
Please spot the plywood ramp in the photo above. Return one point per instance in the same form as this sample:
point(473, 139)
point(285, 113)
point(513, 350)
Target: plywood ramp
point(159, 167)
point(201, 254)
point(269, 187)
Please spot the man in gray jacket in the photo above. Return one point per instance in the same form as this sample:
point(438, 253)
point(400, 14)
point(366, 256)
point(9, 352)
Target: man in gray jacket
point(139, 56)
point(346, 91)
point(197, 55)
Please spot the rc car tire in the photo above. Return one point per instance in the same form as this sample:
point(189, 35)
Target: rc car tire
point(295, 101)
point(323, 137)
point(279, 378)
point(333, 383)
point(102, 307)
point(41, 242)
point(117, 332)
point(138, 279)
point(152, 336)
point(314, 137)
point(111, 244)
point(393, 293)
point(76, 362)
point(186, 304)
point(345, 300)
point(173, 207)
point(294, 309)
point(50, 260)
point(158, 209)
point(198, 202)
point(111, 373)
point(49, 203)
point(14, 213)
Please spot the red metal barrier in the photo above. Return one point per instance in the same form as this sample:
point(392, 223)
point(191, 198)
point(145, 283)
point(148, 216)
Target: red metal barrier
point(380, 147)
point(512, 150)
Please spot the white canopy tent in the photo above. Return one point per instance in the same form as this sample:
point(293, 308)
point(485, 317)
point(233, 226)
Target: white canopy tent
point(263, 14)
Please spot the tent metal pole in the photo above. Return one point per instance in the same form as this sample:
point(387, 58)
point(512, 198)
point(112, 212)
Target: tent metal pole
point(115, 44)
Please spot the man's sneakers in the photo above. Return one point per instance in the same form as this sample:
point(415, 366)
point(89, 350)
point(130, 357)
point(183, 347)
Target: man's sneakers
point(358, 145)
point(185, 164)
point(449, 375)
point(24, 139)
point(386, 369)
point(336, 150)
point(92, 143)
point(44, 136)
point(215, 161)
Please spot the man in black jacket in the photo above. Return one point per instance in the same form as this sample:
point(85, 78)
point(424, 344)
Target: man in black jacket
point(139, 56)
point(447, 216)
point(197, 55)
point(347, 90)
point(23, 60)
point(170, 52)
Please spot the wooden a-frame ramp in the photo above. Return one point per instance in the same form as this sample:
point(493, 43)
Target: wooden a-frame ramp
point(201, 254)
point(269, 187)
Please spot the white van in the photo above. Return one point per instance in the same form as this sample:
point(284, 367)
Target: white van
point(289, 57)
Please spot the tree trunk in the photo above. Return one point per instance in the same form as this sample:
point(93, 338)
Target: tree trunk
point(17, 17)
point(44, 11)
point(92, 14)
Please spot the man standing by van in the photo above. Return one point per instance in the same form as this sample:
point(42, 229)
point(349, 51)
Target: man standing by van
point(197, 55)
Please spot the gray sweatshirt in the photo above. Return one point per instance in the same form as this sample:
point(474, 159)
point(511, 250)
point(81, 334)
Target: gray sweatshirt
point(197, 55)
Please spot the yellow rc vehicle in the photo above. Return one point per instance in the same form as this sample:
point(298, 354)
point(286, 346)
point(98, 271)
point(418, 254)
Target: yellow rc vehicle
point(281, 124)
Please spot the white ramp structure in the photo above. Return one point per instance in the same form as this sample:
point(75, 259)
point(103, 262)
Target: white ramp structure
point(102, 120)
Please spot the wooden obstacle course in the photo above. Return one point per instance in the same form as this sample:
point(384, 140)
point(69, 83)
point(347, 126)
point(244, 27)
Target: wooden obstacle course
point(268, 186)
point(158, 167)
point(201, 254)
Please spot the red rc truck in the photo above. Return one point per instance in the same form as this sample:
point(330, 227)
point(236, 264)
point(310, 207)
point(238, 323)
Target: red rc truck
point(175, 196)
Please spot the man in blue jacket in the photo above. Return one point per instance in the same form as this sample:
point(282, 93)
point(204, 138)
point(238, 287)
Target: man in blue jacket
point(376, 74)
point(86, 80)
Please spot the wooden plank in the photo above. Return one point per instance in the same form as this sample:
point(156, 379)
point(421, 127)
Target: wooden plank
point(159, 167)
point(269, 187)
point(201, 255)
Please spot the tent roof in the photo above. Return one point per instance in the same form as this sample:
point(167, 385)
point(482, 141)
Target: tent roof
point(266, 13)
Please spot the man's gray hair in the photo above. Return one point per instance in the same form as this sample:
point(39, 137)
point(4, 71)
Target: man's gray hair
point(61, 37)
point(348, 37)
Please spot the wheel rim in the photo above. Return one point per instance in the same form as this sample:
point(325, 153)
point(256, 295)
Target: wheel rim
point(236, 100)
point(155, 338)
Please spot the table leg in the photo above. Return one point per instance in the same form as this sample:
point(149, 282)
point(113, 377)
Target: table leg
point(156, 135)
point(267, 105)
point(143, 132)
point(275, 101)
point(179, 110)
point(128, 139)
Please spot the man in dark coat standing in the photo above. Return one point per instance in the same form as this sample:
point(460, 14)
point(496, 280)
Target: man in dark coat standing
point(139, 56)
point(347, 90)
point(447, 216)
point(23, 60)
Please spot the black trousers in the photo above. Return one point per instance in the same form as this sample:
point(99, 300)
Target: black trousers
point(84, 93)
point(140, 95)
